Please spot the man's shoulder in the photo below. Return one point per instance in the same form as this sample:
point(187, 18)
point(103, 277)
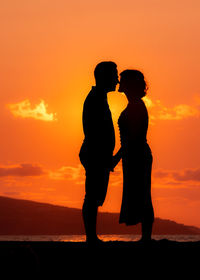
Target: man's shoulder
point(90, 98)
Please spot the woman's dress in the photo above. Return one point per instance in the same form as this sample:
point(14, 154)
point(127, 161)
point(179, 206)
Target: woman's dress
point(137, 162)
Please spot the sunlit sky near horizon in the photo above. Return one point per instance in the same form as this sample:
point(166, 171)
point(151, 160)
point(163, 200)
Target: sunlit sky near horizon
point(48, 53)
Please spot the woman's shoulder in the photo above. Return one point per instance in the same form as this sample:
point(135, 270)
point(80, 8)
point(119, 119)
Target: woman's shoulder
point(140, 107)
point(139, 102)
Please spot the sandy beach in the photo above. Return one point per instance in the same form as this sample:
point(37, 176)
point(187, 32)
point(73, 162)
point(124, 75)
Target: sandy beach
point(37, 258)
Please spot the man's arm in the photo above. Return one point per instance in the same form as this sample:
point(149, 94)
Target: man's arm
point(116, 158)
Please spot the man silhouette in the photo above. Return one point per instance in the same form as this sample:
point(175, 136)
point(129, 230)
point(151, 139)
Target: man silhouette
point(96, 152)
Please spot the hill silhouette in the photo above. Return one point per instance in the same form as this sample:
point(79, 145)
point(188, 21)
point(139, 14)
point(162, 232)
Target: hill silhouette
point(24, 217)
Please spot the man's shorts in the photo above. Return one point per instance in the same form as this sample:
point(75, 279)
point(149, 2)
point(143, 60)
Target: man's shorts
point(96, 185)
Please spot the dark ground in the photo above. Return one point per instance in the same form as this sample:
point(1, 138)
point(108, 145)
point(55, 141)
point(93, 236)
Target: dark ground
point(161, 259)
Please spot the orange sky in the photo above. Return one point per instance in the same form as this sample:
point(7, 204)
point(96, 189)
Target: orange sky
point(48, 53)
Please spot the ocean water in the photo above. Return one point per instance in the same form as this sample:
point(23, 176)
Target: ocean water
point(81, 238)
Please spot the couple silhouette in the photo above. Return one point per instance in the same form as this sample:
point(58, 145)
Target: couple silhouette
point(96, 153)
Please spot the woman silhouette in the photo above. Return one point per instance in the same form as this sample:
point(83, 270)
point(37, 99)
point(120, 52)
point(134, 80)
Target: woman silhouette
point(136, 155)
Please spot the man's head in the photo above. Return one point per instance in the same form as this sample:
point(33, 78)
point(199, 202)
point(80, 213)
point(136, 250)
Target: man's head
point(106, 75)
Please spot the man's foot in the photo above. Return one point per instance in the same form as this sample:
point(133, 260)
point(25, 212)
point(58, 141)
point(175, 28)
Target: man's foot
point(94, 241)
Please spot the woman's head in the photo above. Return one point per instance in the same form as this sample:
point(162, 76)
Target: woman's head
point(133, 84)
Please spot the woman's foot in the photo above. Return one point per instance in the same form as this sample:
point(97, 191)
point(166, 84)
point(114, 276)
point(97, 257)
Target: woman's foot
point(145, 240)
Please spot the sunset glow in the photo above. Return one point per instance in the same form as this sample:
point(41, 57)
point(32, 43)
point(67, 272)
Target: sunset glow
point(49, 50)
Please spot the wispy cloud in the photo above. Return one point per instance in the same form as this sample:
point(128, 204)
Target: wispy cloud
point(69, 173)
point(116, 177)
point(24, 109)
point(185, 175)
point(21, 170)
point(163, 176)
point(75, 173)
point(160, 112)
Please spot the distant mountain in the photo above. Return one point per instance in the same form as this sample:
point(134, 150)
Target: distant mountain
point(26, 217)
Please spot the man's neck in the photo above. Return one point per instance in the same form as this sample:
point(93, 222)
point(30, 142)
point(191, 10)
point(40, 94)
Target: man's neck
point(102, 91)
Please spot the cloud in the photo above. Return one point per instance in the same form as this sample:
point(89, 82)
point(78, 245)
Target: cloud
point(71, 173)
point(188, 174)
point(75, 173)
point(39, 112)
point(21, 170)
point(160, 112)
point(169, 178)
point(116, 177)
